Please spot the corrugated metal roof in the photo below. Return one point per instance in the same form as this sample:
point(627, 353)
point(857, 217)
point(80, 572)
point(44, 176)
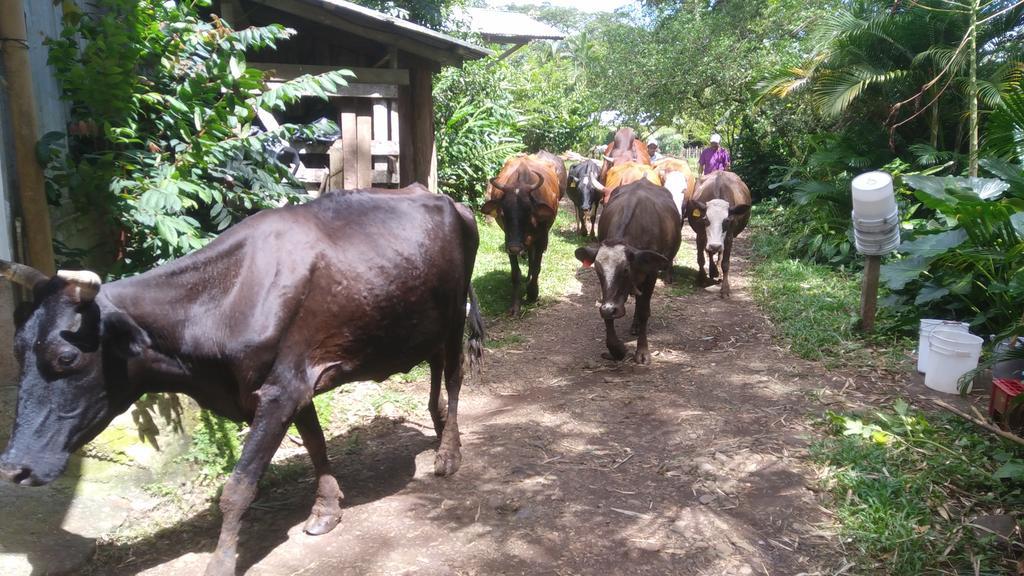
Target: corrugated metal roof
point(499, 25)
point(385, 23)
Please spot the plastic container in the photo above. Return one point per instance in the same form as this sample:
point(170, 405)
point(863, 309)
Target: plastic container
point(952, 353)
point(877, 244)
point(924, 334)
point(873, 196)
point(883, 225)
point(1008, 368)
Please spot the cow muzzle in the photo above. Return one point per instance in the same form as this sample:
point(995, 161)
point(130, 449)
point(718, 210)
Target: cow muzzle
point(19, 475)
point(514, 249)
point(714, 248)
point(610, 311)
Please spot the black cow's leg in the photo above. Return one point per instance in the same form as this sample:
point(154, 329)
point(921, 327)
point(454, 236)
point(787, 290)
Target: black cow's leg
point(643, 313)
point(449, 455)
point(326, 512)
point(616, 349)
point(438, 413)
point(712, 267)
point(702, 242)
point(581, 219)
point(516, 278)
point(726, 251)
point(533, 280)
point(276, 408)
point(593, 222)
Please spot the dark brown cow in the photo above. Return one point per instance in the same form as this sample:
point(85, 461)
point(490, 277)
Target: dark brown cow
point(283, 306)
point(624, 147)
point(639, 232)
point(523, 198)
point(718, 212)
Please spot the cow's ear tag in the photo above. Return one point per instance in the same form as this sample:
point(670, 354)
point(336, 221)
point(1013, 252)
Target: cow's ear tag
point(696, 213)
point(587, 263)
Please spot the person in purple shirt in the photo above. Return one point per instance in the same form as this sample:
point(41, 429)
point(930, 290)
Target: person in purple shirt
point(714, 157)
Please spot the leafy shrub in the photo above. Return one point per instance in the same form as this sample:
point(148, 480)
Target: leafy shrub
point(163, 148)
point(967, 262)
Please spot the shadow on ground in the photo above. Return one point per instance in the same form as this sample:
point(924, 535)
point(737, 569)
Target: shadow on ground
point(370, 462)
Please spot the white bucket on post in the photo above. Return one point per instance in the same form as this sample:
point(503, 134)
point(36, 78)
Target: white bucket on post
point(873, 196)
point(952, 353)
point(924, 337)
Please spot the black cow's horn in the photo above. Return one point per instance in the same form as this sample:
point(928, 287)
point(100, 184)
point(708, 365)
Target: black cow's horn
point(26, 276)
point(85, 283)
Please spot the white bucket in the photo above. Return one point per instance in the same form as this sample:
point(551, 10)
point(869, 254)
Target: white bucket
point(924, 337)
point(883, 225)
point(952, 354)
point(873, 196)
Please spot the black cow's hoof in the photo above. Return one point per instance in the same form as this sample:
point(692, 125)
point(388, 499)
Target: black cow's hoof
point(616, 353)
point(642, 357)
point(320, 523)
point(447, 462)
point(532, 292)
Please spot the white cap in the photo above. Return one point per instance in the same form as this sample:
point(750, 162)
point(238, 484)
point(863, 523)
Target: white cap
point(652, 141)
point(716, 139)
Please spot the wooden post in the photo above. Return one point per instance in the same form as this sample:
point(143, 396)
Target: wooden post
point(422, 81)
point(31, 186)
point(869, 293)
point(336, 163)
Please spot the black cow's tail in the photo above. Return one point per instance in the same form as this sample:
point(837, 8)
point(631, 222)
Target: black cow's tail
point(475, 344)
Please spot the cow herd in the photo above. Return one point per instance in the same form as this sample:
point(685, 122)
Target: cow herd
point(639, 230)
point(354, 285)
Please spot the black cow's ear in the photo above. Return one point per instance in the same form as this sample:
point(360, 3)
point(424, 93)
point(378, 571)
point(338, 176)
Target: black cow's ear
point(490, 207)
point(123, 335)
point(739, 210)
point(647, 261)
point(587, 255)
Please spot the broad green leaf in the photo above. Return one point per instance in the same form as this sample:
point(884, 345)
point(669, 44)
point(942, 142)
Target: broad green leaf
point(896, 275)
point(930, 293)
point(934, 244)
point(1013, 470)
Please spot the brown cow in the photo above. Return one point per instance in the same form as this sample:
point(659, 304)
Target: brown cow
point(640, 235)
point(677, 177)
point(624, 147)
point(626, 173)
point(523, 198)
point(718, 211)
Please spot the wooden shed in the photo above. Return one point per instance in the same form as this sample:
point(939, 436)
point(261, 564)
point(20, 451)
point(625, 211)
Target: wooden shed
point(386, 114)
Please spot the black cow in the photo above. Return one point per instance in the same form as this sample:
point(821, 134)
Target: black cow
point(640, 235)
point(287, 304)
point(584, 193)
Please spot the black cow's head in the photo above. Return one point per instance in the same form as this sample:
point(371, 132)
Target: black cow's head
point(620, 269)
point(586, 182)
point(519, 207)
point(67, 351)
point(717, 217)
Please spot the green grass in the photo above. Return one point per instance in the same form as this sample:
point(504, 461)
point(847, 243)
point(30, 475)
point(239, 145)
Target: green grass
point(817, 310)
point(492, 276)
point(906, 488)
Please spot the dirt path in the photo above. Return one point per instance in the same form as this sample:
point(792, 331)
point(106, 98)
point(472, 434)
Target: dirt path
point(572, 464)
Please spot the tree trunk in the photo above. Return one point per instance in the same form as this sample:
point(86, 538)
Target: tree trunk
point(31, 186)
point(973, 89)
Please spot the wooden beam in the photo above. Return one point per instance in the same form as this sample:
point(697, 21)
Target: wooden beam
point(322, 16)
point(406, 161)
point(284, 72)
point(869, 293)
point(364, 163)
point(336, 161)
point(423, 125)
point(350, 179)
point(358, 90)
point(31, 186)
